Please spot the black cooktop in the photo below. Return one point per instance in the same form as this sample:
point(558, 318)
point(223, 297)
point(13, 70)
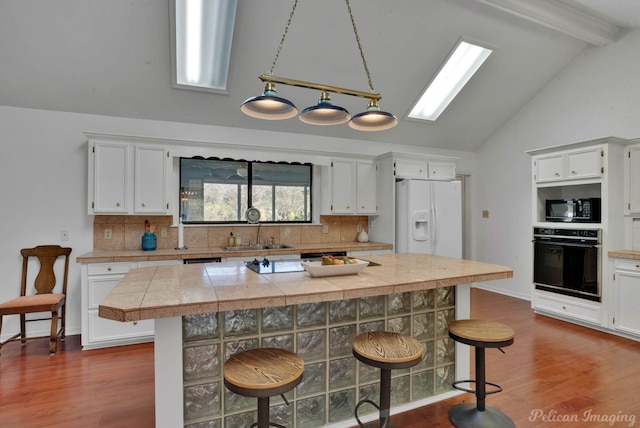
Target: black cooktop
point(282, 266)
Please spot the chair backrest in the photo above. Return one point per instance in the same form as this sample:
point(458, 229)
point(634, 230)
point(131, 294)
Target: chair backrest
point(45, 281)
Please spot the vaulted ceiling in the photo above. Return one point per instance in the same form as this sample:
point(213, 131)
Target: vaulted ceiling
point(112, 58)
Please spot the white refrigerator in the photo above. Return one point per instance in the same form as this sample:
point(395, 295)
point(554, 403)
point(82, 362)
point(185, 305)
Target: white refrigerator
point(429, 217)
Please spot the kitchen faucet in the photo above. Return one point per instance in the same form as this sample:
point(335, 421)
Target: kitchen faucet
point(258, 234)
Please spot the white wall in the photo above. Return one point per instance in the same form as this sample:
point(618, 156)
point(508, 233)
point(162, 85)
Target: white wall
point(597, 95)
point(43, 176)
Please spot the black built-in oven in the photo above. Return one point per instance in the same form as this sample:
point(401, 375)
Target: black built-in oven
point(568, 261)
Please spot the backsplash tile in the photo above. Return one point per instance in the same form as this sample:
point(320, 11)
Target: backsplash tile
point(127, 231)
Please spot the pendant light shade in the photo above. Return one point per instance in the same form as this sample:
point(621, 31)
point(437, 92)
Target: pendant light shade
point(269, 105)
point(324, 113)
point(373, 119)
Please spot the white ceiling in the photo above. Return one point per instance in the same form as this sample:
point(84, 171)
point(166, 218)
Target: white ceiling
point(112, 58)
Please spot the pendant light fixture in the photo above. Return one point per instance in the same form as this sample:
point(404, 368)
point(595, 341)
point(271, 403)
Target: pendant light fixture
point(272, 107)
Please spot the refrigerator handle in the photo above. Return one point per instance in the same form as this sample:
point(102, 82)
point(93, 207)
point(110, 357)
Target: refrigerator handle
point(434, 229)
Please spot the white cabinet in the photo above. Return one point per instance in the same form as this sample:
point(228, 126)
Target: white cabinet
point(150, 173)
point(366, 186)
point(424, 169)
point(109, 182)
point(353, 187)
point(126, 178)
point(580, 310)
point(97, 280)
point(625, 304)
point(411, 168)
point(443, 171)
point(570, 165)
point(633, 179)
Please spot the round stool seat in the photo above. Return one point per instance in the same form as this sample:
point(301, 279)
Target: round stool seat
point(481, 333)
point(263, 372)
point(387, 350)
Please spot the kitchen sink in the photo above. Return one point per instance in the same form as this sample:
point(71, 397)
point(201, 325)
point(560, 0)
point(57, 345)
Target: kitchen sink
point(257, 247)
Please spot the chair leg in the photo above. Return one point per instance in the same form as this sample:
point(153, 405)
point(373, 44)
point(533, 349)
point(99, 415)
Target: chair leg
point(54, 332)
point(23, 328)
point(63, 317)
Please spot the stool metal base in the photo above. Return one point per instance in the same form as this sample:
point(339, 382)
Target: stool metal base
point(466, 415)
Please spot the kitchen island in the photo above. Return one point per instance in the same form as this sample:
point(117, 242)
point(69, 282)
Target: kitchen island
point(204, 313)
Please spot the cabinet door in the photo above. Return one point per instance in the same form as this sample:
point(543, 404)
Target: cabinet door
point(626, 301)
point(584, 163)
point(634, 179)
point(343, 180)
point(111, 177)
point(442, 171)
point(366, 187)
point(549, 168)
point(407, 168)
point(150, 180)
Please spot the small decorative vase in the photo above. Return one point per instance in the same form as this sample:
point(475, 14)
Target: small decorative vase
point(149, 241)
point(363, 236)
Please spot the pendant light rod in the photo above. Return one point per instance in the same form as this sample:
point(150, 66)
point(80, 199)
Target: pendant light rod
point(310, 85)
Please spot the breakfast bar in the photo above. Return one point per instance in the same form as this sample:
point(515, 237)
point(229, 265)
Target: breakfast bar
point(206, 312)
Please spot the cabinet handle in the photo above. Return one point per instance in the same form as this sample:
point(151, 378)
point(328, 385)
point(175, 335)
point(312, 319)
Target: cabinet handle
point(638, 266)
point(573, 172)
point(117, 204)
point(143, 205)
point(348, 207)
point(362, 207)
point(564, 308)
point(135, 323)
point(557, 174)
point(109, 268)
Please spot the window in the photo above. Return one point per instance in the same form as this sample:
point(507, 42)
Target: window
point(461, 65)
point(221, 190)
point(202, 33)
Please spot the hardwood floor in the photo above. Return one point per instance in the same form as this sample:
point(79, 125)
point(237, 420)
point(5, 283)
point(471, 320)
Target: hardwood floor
point(559, 369)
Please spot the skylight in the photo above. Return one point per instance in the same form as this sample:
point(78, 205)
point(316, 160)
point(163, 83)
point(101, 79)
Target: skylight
point(203, 32)
point(461, 65)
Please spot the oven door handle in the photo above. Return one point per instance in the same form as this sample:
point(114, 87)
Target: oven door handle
point(566, 244)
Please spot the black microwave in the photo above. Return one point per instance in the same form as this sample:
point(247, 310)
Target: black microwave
point(581, 210)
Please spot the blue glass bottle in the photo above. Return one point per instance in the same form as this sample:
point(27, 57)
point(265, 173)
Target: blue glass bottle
point(149, 241)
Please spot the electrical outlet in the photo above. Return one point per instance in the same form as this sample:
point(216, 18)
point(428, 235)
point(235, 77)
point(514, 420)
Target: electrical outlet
point(64, 235)
point(163, 232)
point(358, 228)
point(107, 234)
point(325, 228)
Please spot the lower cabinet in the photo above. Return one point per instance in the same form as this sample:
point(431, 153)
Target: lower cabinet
point(97, 280)
point(625, 305)
point(580, 310)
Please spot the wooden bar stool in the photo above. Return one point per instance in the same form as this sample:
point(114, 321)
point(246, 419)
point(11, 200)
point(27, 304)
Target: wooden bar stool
point(479, 334)
point(263, 373)
point(387, 351)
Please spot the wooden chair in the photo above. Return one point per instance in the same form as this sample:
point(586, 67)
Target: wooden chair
point(44, 299)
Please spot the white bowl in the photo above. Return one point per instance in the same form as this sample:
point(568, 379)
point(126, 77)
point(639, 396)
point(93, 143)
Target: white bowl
point(316, 269)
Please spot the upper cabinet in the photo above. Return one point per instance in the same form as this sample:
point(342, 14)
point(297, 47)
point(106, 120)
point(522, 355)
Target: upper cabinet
point(353, 187)
point(633, 179)
point(150, 174)
point(424, 169)
point(127, 178)
point(109, 183)
point(569, 165)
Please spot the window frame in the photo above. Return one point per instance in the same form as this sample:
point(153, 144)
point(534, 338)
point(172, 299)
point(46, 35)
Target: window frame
point(249, 193)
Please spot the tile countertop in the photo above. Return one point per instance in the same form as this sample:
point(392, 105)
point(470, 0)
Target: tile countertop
point(625, 254)
point(177, 290)
point(106, 256)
